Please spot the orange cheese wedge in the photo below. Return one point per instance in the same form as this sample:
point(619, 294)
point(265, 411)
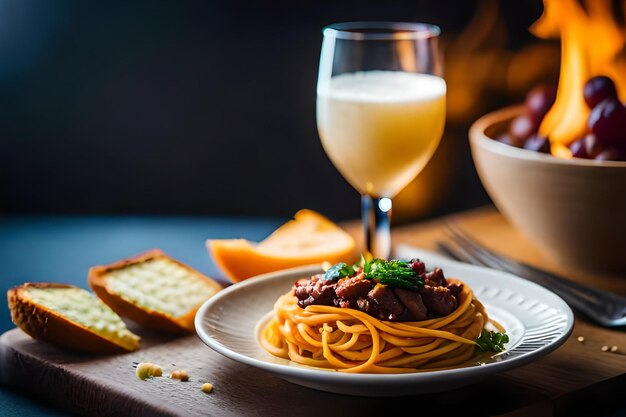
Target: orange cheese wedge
point(308, 238)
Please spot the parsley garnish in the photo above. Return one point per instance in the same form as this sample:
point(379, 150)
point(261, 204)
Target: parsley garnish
point(337, 271)
point(394, 273)
point(492, 341)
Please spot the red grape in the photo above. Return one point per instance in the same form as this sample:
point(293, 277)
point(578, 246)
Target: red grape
point(609, 154)
point(592, 146)
point(539, 100)
point(598, 89)
point(608, 122)
point(579, 149)
point(538, 143)
point(523, 126)
point(509, 139)
point(588, 147)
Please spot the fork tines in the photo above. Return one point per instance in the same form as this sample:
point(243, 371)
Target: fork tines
point(603, 307)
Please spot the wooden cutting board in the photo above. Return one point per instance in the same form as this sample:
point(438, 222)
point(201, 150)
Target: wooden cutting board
point(557, 384)
point(576, 379)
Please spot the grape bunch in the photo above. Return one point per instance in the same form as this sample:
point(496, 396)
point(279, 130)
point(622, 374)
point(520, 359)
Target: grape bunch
point(606, 125)
point(523, 130)
point(605, 138)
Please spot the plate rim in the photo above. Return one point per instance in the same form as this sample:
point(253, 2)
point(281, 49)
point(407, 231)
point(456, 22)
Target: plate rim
point(302, 372)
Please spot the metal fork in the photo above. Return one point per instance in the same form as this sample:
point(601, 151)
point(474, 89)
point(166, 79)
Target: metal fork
point(603, 307)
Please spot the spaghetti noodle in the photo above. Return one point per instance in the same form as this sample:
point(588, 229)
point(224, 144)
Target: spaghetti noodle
point(349, 340)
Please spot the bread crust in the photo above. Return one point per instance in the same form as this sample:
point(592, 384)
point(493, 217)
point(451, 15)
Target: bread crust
point(47, 325)
point(98, 276)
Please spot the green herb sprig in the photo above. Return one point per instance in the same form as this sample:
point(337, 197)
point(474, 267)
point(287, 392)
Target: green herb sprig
point(337, 271)
point(490, 341)
point(394, 273)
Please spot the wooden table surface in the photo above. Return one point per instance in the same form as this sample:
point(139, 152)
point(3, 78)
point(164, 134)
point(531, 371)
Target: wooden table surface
point(577, 378)
point(575, 374)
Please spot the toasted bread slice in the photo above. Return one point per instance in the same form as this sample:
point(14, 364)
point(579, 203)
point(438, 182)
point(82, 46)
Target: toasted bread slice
point(154, 290)
point(69, 316)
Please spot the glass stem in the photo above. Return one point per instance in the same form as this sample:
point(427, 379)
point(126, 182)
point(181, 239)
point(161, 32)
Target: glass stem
point(376, 214)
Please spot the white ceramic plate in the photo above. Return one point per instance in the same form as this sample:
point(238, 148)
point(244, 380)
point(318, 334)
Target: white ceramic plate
point(536, 320)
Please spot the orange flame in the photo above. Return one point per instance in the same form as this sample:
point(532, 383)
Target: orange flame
point(591, 43)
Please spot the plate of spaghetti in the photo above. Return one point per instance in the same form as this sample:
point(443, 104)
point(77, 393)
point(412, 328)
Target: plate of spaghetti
point(385, 327)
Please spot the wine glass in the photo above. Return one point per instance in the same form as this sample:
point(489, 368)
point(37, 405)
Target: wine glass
point(381, 108)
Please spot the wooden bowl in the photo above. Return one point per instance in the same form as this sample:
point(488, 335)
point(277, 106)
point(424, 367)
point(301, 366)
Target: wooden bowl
point(572, 209)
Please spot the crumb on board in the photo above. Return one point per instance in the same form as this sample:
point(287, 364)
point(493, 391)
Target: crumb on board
point(580, 339)
point(180, 374)
point(207, 387)
point(604, 348)
point(147, 370)
point(614, 348)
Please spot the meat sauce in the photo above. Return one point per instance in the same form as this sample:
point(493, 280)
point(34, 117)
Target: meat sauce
point(435, 298)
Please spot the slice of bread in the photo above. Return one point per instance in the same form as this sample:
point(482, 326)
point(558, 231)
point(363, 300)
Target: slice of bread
point(70, 317)
point(154, 290)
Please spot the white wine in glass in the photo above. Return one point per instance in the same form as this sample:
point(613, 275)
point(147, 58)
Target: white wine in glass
point(380, 112)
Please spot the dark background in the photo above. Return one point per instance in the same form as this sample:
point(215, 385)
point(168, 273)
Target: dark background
point(203, 108)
